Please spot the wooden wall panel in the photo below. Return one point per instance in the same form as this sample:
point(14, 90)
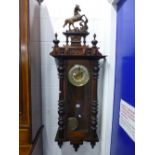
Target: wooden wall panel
point(24, 93)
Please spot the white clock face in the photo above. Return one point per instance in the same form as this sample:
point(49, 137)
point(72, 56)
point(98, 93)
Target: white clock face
point(78, 75)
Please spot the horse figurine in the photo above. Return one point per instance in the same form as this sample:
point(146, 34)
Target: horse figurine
point(77, 17)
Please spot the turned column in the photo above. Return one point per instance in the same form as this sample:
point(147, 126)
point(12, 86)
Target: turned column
point(93, 117)
point(61, 111)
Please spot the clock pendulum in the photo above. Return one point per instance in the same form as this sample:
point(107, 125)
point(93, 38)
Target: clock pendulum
point(78, 66)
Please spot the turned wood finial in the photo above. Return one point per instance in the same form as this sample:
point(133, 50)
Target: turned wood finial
point(94, 42)
point(56, 41)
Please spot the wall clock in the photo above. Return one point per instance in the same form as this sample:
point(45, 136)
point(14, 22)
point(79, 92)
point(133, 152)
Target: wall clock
point(78, 75)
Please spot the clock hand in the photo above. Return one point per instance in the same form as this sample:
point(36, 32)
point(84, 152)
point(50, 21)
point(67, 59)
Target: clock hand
point(78, 75)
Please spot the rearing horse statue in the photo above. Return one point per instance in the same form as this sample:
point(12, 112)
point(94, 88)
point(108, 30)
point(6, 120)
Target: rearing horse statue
point(77, 17)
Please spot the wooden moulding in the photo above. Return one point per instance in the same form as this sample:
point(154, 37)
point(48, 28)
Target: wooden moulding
point(26, 147)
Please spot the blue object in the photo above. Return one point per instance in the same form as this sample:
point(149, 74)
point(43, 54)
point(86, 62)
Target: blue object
point(121, 144)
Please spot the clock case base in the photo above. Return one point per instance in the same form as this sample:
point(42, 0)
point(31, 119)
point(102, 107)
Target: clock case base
point(76, 142)
point(78, 53)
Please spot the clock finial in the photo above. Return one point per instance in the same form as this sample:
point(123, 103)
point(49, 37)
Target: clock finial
point(94, 42)
point(56, 41)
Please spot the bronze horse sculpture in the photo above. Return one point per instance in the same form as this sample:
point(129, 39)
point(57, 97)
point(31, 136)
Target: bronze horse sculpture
point(77, 17)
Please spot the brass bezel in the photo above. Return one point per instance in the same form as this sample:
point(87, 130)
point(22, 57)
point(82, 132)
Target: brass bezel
point(74, 75)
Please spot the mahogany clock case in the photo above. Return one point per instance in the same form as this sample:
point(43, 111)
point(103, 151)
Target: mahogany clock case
point(78, 67)
point(77, 104)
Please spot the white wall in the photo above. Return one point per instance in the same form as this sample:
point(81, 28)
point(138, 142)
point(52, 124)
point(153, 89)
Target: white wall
point(35, 63)
point(100, 15)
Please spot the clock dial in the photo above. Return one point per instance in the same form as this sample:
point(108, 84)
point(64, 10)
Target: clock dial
point(78, 75)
